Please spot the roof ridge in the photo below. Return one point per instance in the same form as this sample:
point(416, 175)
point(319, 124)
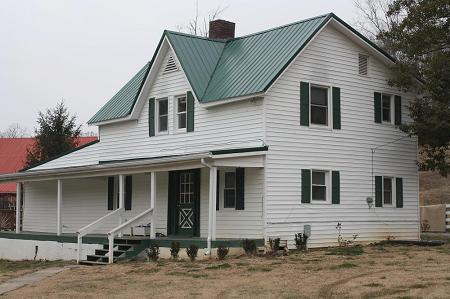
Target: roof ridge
point(282, 26)
point(195, 36)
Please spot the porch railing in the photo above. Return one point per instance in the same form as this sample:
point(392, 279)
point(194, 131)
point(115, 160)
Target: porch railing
point(116, 214)
point(123, 226)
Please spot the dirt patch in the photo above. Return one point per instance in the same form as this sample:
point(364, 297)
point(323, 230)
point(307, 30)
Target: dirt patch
point(377, 271)
point(12, 269)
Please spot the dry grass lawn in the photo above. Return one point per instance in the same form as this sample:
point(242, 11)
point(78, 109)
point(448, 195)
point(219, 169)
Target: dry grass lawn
point(12, 269)
point(379, 271)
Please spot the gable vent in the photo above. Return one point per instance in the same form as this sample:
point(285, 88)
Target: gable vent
point(363, 61)
point(170, 65)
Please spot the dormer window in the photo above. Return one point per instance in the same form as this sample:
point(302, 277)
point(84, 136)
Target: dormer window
point(171, 65)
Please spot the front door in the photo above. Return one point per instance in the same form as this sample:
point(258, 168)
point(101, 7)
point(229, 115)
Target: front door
point(184, 202)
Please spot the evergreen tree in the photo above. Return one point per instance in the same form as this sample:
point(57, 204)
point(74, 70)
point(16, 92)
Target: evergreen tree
point(56, 134)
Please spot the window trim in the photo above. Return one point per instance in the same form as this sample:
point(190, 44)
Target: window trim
point(329, 124)
point(224, 188)
point(157, 116)
point(176, 113)
point(393, 192)
point(327, 186)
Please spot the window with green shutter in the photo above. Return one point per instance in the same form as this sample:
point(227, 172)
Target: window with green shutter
point(335, 187)
point(399, 192)
point(306, 185)
point(336, 108)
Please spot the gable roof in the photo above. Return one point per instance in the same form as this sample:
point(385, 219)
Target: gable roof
point(13, 153)
point(237, 67)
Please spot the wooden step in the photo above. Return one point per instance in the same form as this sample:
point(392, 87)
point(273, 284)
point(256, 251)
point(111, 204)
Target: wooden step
point(93, 263)
point(104, 252)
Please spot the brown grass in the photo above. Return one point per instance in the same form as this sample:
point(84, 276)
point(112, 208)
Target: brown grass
point(434, 189)
point(11, 269)
point(380, 271)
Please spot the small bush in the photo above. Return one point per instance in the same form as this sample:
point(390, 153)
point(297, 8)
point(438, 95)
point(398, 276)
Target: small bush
point(174, 249)
point(152, 253)
point(301, 241)
point(222, 252)
point(249, 246)
point(192, 252)
point(274, 244)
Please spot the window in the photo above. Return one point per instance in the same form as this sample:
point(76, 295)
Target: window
point(319, 105)
point(163, 113)
point(387, 108)
point(387, 191)
point(229, 191)
point(362, 63)
point(181, 106)
point(319, 186)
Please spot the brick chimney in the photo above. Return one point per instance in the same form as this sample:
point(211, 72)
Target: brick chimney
point(221, 29)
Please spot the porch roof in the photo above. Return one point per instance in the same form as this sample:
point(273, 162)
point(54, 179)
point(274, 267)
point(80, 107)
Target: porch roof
point(137, 165)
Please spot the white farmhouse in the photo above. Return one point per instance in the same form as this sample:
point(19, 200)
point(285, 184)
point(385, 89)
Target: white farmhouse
point(226, 138)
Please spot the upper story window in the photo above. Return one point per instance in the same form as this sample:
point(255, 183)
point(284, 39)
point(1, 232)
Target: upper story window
point(363, 64)
point(387, 108)
point(319, 185)
point(163, 115)
point(319, 105)
point(229, 190)
point(181, 110)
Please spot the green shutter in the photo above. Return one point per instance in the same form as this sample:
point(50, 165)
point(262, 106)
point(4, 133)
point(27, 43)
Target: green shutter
point(378, 191)
point(110, 193)
point(399, 192)
point(306, 185)
point(190, 112)
point(128, 192)
point(377, 106)
point(217, 190)
point(336, 108)
point(240, 185)
point(151, 117)
point(335, 188)
point(304, 103)
point(398, 110)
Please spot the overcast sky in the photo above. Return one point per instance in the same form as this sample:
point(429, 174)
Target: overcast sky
point(84, 51)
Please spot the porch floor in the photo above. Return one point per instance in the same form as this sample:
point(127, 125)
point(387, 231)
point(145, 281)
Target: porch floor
point(102, 239)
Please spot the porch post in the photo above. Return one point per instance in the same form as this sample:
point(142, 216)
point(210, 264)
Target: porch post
point(152, 205)
point(212, 206)
point(58, 209)
point(121, 198)
point(18, 205)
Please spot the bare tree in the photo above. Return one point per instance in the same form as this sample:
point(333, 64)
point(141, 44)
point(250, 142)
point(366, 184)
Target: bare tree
point(199, 25)
point(374, 19)
point(15, 130)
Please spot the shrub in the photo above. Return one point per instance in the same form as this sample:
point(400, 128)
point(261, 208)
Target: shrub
point(152, 252)
point(274, 244)
point(249, 246)
point(192, 252)
point(174, 249)
point(222, 252)
point(301, 241)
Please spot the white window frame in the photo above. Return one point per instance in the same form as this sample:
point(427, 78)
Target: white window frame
point(327, 186)
point(158, 132)
point(176, 113)
point(329, 107)
point(393, 191)
point(222, 189)
point(392, 112)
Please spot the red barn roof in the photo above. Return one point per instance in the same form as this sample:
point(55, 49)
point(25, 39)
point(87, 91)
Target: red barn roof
point(13, 153)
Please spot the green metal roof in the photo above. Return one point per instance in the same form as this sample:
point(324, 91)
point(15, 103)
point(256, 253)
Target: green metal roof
point(226, 69)
point(121, 104)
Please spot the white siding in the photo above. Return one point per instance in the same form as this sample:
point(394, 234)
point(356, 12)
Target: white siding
point(332, 59)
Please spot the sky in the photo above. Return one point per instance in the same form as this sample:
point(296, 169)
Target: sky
point(84, 51)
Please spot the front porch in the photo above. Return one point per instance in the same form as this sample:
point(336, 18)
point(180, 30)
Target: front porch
point(209, 202)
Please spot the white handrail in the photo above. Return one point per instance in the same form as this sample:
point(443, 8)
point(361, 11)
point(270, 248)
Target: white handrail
point(120, 228)
point(91, 226)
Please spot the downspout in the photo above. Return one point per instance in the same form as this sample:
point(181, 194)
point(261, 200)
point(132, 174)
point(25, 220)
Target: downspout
point(210, 206)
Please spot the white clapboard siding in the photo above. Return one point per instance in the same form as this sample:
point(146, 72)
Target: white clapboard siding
point(332, 59)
